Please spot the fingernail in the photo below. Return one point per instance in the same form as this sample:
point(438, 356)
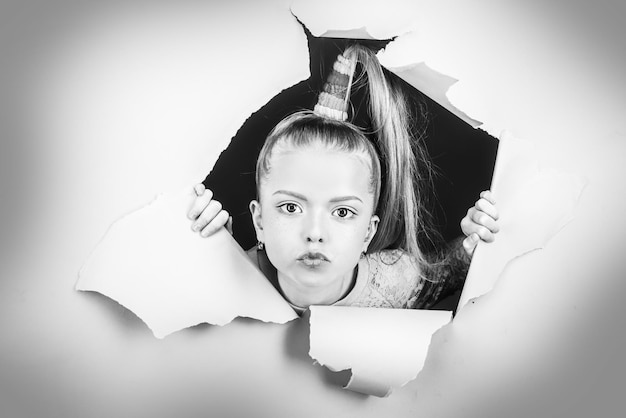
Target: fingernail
point(196, 228)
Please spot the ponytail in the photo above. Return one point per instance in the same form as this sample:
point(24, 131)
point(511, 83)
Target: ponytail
point(406, 168)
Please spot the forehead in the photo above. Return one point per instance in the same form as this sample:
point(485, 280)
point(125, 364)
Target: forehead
point(318, 170)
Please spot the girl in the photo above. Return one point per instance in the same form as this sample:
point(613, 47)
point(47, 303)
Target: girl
point(339, 215)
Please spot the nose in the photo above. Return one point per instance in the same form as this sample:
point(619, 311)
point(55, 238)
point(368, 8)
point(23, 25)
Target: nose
point(315, 228)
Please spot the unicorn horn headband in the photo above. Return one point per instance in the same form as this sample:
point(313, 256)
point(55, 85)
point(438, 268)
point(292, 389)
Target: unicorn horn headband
point(333, 100)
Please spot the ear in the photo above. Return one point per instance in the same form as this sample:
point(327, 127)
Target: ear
point(255, 210)
point(371, 231)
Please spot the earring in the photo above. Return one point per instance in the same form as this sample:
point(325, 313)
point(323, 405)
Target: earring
point(362, 255)
point(260, 246)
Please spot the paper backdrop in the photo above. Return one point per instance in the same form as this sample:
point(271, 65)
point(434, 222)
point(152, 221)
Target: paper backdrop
point(106, 105)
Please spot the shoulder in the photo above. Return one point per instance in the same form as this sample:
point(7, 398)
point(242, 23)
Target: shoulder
point(393, 265)
point(386, 279)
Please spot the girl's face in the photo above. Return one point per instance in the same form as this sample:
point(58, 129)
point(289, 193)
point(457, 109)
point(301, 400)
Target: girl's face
point(315, 217)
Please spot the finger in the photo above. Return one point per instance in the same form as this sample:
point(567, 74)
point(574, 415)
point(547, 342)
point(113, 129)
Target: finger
point(200, 203)
point(482, 219)
point(484, 234)
point(486, 194)
point(199, 189)
point(486, 206)
point(229, 225)
point(218, 222)
point(466, 225)
point(206, 217)
point(469, 227)
point(470, 243)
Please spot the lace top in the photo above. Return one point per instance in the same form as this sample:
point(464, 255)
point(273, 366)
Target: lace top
point(391, 279)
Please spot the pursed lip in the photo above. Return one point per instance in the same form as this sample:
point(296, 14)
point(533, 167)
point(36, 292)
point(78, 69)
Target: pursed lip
point(312, 259)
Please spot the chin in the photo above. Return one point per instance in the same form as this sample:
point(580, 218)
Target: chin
point(313, 277)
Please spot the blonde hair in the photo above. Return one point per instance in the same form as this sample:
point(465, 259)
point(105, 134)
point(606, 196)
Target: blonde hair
point(305, 128)
point(407, 171)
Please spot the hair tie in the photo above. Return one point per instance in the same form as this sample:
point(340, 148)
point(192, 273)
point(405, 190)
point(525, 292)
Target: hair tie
point(332, 102)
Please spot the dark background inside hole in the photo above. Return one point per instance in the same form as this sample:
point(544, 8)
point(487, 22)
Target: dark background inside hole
point(463, 156)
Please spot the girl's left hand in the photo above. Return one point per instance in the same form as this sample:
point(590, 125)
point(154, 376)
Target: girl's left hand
point(480, 223)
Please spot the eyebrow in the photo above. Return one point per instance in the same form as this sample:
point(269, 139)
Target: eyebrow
point(344, 199)
point(292, 194)
point(303, 198)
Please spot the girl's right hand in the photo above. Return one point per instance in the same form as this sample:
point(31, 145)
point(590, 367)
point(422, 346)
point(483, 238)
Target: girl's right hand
point(206, 214)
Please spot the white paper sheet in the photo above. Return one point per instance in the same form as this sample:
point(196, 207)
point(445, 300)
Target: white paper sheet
point(367, 20)
point(152, 263)
point(384, 348)
point(433, 84)
point(534, 204)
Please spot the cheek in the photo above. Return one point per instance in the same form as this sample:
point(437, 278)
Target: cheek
point(277, 229)
point(352, 237)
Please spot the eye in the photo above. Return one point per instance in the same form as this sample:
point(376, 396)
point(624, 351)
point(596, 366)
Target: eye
point(290, 208)
point(344, 213)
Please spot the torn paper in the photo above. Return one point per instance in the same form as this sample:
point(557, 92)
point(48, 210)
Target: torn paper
point(370, 20)
point(153, 264)
point(349, 24)
point(384, 348)
point(534, 203)
point(433, 84)
point(410, 57)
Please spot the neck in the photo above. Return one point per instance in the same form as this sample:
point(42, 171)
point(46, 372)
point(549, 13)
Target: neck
point(304, 296)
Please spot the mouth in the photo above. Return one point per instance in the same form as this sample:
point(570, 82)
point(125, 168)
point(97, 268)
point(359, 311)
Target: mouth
point(311, 259)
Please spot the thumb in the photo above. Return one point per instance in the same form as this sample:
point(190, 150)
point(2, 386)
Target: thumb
point(470, 243)
point(229, 225)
